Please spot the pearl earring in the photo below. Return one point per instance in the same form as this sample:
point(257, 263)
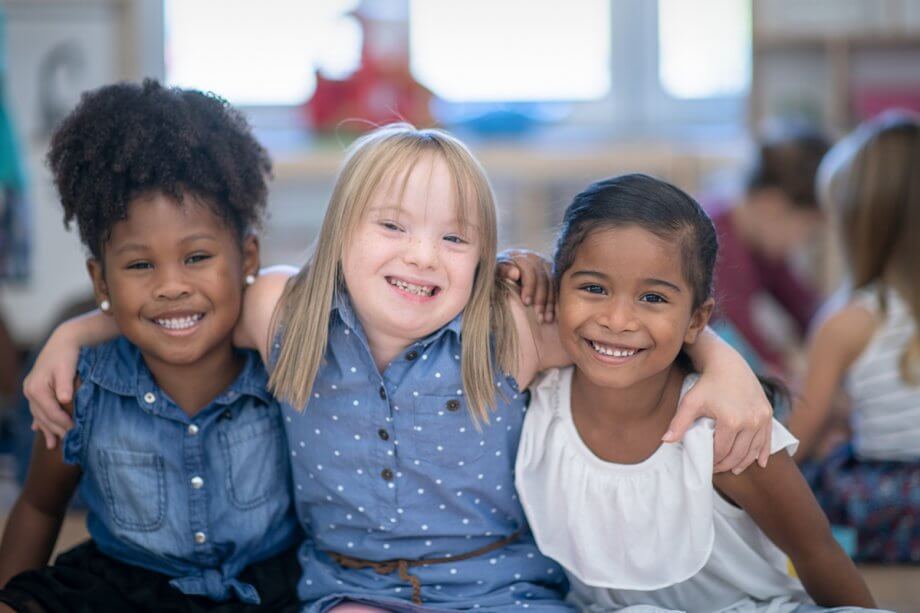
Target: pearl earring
point(250, 279)
point(105, 305)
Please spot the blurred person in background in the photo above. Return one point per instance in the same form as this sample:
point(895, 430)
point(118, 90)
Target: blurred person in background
point(758, 236)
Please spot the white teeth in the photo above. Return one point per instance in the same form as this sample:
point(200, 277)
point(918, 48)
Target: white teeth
point(418, 290)
point(617, 353)
point(179, 323)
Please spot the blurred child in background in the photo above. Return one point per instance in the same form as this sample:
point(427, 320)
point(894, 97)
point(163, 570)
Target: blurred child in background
point(757, 236)
point(870, 183)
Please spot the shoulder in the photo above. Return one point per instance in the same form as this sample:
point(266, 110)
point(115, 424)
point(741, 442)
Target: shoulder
point(844, 334)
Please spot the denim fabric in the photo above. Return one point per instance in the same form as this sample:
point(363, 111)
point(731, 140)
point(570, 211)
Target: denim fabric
point(390, 465)
point(196, 498)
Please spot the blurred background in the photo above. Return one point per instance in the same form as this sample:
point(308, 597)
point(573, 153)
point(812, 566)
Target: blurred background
point(549, 95)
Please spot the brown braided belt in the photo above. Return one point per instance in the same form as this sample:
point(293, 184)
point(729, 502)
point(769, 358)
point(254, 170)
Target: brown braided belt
point(386, 567)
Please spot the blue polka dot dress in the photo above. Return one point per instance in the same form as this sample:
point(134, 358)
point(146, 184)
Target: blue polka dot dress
point(390, 466)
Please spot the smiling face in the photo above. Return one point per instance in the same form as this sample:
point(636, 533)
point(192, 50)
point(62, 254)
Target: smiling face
point(625, 306)
point(409, 265)
point(173, 275)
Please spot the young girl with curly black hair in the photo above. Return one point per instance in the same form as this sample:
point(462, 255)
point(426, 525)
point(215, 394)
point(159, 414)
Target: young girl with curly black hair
point(178, 448)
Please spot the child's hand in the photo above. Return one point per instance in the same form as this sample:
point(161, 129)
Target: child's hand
point(743, 417)
point(50, 384)
point(533, 273)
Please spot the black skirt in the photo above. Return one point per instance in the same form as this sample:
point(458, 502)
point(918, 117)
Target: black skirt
point(84, 579)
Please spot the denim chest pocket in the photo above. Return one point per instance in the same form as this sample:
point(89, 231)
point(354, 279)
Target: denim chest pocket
point(443, 432)
point(134, 484)
point(254, 454)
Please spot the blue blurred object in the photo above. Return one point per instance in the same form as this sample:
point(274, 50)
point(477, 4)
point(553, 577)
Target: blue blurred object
point(846, 537)
point(490, 120)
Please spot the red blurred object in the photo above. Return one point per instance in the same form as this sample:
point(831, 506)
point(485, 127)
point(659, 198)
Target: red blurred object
point(381, 91)
point(870, 101)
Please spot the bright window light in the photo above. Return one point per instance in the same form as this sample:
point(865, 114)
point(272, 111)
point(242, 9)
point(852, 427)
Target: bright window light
point(511, 50)
point(704, 48)
point(259, 53)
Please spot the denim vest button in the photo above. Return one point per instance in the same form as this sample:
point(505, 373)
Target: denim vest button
point(387, 474)
point(192, 429)
point(383, 434)
point(412, 355)
point(150, 398)
point(200, 538)
point(197, 483)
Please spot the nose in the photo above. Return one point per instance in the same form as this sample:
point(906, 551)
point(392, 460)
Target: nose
point(171, 283)
point(421, 252)
point(618, 315)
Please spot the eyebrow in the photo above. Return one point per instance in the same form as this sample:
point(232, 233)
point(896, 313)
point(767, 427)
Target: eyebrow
point(143, 247)
point(648, 281)
point(465, 227)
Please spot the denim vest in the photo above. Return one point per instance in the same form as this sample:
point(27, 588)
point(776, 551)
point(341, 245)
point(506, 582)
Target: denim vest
point(195, 498)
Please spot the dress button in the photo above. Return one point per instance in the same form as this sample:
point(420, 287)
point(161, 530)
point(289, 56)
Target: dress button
point(200, 537)
point(412, 355)
point(452, 405)
point(197, 483)
point(192, 429)
point(383, 434)
point(387, 474)
point(149, 398)
point(383, 393)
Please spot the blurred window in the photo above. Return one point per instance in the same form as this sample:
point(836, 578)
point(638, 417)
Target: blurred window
point(704, 48)
point(511, 50)
point(259, 53)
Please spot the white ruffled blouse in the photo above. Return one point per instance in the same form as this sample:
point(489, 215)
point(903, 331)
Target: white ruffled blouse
point(656, 532)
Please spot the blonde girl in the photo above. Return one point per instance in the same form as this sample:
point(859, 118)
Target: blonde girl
point(403, 367)
point(871, 186)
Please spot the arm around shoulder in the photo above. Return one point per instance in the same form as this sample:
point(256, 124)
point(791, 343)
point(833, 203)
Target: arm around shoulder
point(539, 347)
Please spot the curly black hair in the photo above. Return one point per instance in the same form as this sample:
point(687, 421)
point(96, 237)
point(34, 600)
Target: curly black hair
point(127, 139)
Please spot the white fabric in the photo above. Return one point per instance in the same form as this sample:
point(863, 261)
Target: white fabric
point(654, 533)
point(886, 410)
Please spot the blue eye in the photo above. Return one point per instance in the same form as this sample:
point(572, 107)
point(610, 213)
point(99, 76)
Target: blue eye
point(389, 225)
point(592, 288)
point(653, 298)
point(455, 239)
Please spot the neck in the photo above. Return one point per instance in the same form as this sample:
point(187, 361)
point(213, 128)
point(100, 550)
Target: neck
point(194, 386)
point(625, 425)
point(385, 348)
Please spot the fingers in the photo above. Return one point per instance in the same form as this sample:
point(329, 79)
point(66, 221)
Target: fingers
point(50, 440)
point(528, 282)
point(767, 448)
point(738, 453)
point(63, 387)
point(687, 412)
point(541, 294)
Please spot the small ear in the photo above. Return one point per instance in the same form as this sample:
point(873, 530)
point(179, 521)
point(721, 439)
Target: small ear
point(699, 320)
point(251, 260)
point(97, 276)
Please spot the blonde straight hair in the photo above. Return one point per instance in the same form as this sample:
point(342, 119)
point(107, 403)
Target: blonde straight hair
point(873, 188)
point(304, 311)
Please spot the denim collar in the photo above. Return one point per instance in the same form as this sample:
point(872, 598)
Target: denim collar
point(341, 304)
point(120, 368)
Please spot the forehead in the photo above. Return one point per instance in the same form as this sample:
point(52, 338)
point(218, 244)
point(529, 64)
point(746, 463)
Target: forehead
point(159, 216)
point(430, 187)
point(631, 253)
